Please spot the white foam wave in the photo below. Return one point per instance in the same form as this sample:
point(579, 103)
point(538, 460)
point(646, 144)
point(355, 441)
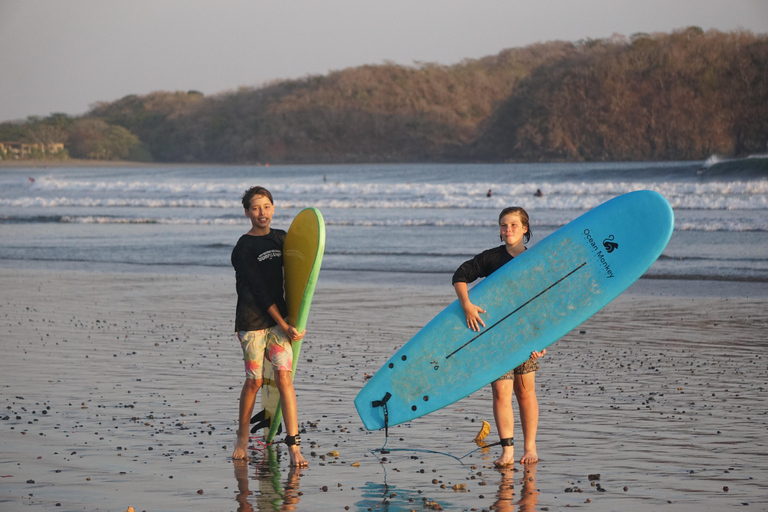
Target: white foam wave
point(689, 225)
point(224, 195)
point(712, 160)
point(57, 192)
point(99, 219)
point(694, 199)
point(116, 202)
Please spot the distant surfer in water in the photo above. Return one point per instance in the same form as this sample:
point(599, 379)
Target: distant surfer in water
point(514, 231)
point(260, 319)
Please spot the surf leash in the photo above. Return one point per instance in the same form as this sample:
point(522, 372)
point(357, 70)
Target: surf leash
point(288, 441)
point(383, 404)
point(384, 451)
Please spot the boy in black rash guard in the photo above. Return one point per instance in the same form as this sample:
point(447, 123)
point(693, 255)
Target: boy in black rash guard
point(260, 319)
point(514, 231)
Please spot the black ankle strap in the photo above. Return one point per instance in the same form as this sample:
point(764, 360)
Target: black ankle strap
point(508, 441)
point(292, 440)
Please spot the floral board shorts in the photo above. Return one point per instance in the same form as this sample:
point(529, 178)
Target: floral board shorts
point(531, 365)
point(271, 343)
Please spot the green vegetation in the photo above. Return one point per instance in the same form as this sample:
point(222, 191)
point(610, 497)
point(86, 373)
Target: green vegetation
point(682, 96)
point(88, 138)
point(685, 95)
point(97, 140)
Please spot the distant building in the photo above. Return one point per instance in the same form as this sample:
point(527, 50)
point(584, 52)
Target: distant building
point(23, 150)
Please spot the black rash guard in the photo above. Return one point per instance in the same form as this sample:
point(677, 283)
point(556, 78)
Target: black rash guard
point(258, 263)
point(482, 265)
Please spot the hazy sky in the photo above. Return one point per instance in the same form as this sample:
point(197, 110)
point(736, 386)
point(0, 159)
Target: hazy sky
point(63, 56)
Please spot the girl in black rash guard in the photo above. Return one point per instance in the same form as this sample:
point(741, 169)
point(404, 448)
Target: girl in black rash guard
point(514, 231)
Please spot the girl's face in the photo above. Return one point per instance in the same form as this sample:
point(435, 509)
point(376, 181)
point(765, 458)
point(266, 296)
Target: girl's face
point(512, 229)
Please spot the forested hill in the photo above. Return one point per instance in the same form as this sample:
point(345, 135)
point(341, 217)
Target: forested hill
point(378, 113)
point(685, 95)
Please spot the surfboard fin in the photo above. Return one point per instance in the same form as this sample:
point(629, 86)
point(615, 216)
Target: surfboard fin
point(262, 424)
point(261, 421)
point(259, 416)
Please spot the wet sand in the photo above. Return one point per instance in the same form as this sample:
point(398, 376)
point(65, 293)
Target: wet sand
point(121, 389)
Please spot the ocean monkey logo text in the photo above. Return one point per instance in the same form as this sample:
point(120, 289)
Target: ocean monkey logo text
point(608, 244)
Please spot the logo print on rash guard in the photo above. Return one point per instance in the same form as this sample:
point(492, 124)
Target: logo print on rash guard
point(275, 253)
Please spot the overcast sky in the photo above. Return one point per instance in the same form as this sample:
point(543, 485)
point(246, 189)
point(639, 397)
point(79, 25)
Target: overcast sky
point(63, 56)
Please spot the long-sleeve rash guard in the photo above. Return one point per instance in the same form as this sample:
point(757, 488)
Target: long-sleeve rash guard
point(258, 263)
point(482, 265)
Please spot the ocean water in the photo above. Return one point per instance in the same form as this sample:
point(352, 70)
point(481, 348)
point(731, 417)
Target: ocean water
point(423, 219)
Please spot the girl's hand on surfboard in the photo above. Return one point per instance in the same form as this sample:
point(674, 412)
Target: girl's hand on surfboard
point(536, 355)
point(472, 313)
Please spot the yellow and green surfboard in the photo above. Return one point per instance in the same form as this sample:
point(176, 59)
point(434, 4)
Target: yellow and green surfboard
point(302, 256)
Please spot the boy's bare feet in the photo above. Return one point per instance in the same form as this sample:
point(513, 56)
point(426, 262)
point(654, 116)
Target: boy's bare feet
point(297, 460)
point(241, 447)
point(507, 457)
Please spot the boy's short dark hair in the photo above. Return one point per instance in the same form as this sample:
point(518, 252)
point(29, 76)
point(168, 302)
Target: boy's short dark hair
point(256, 191)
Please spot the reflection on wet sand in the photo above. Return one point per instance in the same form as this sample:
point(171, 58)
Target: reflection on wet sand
point(382, 496)
point(529, 494)
point(272, 495)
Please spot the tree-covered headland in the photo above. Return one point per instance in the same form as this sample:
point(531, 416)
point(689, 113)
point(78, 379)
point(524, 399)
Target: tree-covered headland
point(680, 96)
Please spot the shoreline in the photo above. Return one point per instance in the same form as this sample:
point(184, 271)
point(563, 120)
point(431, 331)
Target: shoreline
point(81, 162)
point(71, 162)
point(662, 286)
point(121, 389)
point(751, 163)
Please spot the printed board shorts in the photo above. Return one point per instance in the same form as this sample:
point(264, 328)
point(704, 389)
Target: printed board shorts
point(271, 343)
point(531, 365)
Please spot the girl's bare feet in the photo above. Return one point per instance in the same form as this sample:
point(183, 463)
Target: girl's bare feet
point(507, 457)
point(529, 457)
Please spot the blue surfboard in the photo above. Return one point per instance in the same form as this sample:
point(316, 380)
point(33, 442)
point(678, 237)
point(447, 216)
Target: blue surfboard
point(531, 302)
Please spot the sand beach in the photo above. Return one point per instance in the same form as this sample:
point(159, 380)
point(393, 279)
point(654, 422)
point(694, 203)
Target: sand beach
point(120, 389)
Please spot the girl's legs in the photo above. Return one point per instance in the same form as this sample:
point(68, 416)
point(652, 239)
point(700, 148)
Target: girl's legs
point(504, 418)
point(525, 392)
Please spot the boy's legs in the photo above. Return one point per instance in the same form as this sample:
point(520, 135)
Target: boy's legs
point(247, 398)
point(280, 353)
point(525, 392)
point(284, 381)
point(253, 344)
point(504, 417)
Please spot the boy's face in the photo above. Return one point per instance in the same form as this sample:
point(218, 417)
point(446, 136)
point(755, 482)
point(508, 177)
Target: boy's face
point(260, 213)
